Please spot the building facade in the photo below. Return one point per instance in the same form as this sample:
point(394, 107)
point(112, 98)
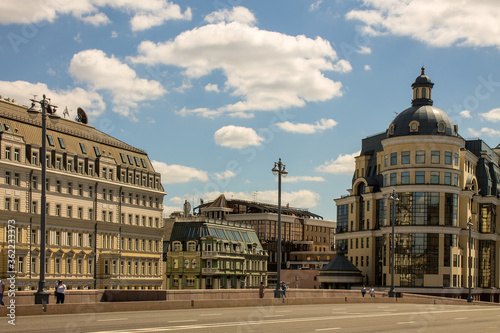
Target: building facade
point(104, 224)
point(440, 182)
point(205, 253)
point(307, 239)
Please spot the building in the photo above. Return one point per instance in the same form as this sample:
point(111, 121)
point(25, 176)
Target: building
point(206, 253)
point(104, 205)
point(441, 182)
point(307, 239)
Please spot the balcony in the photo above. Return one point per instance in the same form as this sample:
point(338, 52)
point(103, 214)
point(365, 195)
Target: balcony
point(210, 271)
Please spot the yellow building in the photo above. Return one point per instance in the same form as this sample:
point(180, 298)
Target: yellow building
point(104, 205)
point(441, 182)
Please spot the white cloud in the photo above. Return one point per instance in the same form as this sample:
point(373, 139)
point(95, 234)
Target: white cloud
point(367, 68)
point(114, 34)
point(484, 131)
point(321, 125)
point(365, 50)
point(237, 137)
point(186, 84)
point(492, 115)
point(344, 164)
point(296, 179)
point(51, 72)
point(212, 87)
point(22, 91)
point(108, 73)
point(237, 14)
point(167, 210)
point(266, 70)
point(145, 14)
point(465, 114)
point(224, 175)
point(315, 5)
point(440, 24)
point(78, 38)
point(174, 173)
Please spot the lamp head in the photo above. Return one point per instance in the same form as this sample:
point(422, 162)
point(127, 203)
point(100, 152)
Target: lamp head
point(284, 172)
point(275, 170)
point(33, 111)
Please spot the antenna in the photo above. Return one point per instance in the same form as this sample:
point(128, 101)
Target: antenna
point(81, 116)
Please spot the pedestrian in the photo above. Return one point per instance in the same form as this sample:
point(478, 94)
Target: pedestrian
point(283, 287)
point(2, 289)
point(363, 291)
point(372, 292)
point(261, 290)
point(60, 292)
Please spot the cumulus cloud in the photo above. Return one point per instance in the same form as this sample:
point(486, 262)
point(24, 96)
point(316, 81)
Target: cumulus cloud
point(297, 199)
point(465, 114)
point(266, 70)
point(101, 72)
point(224, 175)
point(145, 14)
point(174, 173)
point(492, 115)
point(22, 91)
point(237, 137)
point(364, 50)
point(212, 87)
point(367, 68)
point(297, 179)
point(342, 165)
point(315, 5)
point(439, 24)
point(319, 126)
point(484, 131)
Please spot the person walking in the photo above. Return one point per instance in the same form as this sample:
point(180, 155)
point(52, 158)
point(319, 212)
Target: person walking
point(60, 292)
point(283, 288)
point(261, 289)
point(363, 291)
point(372, 292)
point(2, 289)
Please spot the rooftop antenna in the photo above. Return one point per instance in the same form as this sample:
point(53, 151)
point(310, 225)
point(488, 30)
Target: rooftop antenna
point(255, 196)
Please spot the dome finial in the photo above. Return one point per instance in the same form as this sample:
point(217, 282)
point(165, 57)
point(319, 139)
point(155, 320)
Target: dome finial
point(423, 70)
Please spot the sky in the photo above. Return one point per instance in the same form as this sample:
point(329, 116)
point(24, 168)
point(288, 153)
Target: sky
point(218, 91)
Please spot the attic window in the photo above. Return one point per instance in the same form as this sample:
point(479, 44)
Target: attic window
point(130, 160)
point(143, 163)
point(82, 147)
point(441, 127)
point(123, 158)
point(96, 151)
point(136, 161)
point(50, 140)
point(414, 125)
point(61, 143)
point(391, 129)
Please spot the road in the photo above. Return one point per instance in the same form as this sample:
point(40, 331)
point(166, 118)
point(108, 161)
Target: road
point(373, 317)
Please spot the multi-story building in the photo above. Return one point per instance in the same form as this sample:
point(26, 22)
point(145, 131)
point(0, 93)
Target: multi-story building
point(206, 253)
point(307, 239)
point(104, 224)
point(440, 182)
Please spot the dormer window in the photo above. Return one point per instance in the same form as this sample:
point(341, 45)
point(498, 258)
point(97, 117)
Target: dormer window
point(414, 125)
point(441, 127)
point(391, 129)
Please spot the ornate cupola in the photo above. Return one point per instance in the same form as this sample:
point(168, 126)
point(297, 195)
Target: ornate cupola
point(422, 88)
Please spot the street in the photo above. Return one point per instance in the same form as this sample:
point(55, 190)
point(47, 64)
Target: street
point(373, 317)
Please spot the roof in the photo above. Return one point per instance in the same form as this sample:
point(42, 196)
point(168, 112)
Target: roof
point(340, 264)
point(428, 118)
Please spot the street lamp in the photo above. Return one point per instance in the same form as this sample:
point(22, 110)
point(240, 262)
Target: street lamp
point(469, 225)
point(394, 200)
point(279, 169)
point(42, 296)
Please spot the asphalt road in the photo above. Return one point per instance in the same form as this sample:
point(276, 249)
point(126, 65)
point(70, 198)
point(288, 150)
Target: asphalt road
point(374, 317)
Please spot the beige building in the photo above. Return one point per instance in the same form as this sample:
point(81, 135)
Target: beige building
point(104, 205)
point(442, 182)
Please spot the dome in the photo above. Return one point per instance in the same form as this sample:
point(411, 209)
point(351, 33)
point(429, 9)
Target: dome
point(422, 118)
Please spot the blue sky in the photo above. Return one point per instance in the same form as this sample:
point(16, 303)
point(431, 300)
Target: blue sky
point(217, 91)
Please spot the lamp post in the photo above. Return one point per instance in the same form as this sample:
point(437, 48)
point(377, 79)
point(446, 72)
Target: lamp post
point(279, 169)
point(394, 200)
point(469, 225)
point(42, 296)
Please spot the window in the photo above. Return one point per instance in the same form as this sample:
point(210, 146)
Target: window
point(7, 177)
point(17, 179)
point(456, 159)
point(394, 158)
point(69, 211)
point(58, 238)
point(405, 178)
point(130, 160)
point(80, 189)
point(58, 186)
point(91, 169)
point(143, 163)
point(50, 140)
point(80, 213)
point(91, 192)
point(16, 205)
point(447, 157)
point(110, 174)
point(419, 177)
point(420, 156)
point(70, 165)
point(136, 161)
point(447, 178)
point(61, 143)
point(96, 151)
point(7, 204)
point(34, 158)
point(394, 178)
point(34, 182)
point(110, 195)
point(58, 210)
point(123, 158)
point(8, 152)
point(385, 160)
point(386, 183)
point(34, 207)
point(455, 179)
point(17, 155)
point(405, 157)
point(434, 177)
point(80, 167)
point(82, 147)
point(47, 184)
point(69, 239)
point(435, 157)
point(91, 214)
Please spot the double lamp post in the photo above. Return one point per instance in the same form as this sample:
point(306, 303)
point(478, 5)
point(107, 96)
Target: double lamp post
point(279, 169)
